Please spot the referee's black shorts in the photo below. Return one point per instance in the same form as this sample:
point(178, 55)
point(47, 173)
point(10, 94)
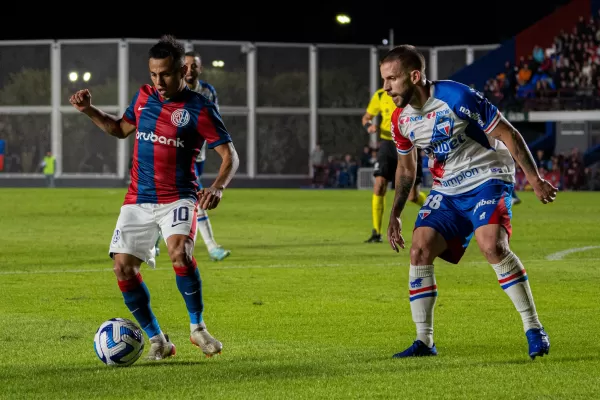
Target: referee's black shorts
point(387, 160)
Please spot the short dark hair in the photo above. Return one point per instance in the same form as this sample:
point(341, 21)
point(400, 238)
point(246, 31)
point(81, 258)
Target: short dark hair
point(408, 55)
point(167, 47)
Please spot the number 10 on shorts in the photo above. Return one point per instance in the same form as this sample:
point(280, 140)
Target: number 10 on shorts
point(180, 215)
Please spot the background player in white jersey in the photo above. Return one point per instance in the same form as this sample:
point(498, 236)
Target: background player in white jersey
point(470, 148)
point(193, 61)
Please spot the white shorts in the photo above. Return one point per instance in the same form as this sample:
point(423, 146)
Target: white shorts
point(138, 226)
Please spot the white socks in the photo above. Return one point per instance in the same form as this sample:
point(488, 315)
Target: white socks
point(423, 293)
point(511, 276)
point(513, 280)
point(205, 230)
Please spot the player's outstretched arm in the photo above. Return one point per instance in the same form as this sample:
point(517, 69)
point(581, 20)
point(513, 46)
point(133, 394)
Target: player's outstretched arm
point(210, 197)
point(518, 148)
point(406, 173)
point(114, 126)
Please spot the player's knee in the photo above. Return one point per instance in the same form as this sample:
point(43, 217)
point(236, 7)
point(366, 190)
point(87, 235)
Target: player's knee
point(182, 252)
point(495, 250)
point(181, 249)
point(179, 256)
point(421, 254)
point(124, 270)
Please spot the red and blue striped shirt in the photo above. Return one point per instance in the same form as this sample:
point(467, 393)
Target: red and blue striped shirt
point(169, 136)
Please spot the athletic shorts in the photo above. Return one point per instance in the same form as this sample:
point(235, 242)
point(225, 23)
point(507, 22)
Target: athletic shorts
point(387, 161)
point(138, 226)
point(457, 217)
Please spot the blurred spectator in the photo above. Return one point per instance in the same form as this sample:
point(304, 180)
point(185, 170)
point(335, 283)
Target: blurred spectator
point(524, 75)
point(538, 54)
point(553, 176)
point(48, 166)
point(574, 175)
point(332, 171)
point(540, 161)
point(317, 160)
point(564, 76)
point(365, 157)
point(348, 172)
point(373, 157)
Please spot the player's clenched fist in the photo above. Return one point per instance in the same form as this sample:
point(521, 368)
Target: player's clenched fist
point(81, 100)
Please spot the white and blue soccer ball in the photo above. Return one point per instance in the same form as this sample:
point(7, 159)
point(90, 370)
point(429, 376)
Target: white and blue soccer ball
point(119, 342)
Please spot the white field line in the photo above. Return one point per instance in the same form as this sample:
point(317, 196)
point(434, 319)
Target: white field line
point(561, 254)
point(265, 266)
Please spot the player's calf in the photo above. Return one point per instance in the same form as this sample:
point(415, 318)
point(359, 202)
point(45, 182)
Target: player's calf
point(513, 279)
point(136, 295)
point(189, 284)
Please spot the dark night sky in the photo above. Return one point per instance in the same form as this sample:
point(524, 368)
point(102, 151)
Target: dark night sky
point(466, 22)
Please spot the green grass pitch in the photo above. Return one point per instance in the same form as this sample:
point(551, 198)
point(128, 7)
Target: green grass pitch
point(304, 308)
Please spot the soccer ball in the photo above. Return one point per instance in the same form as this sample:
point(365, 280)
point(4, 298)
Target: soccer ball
point(119, 342)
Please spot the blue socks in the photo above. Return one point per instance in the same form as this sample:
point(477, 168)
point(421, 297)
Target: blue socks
point(137, 299)
point(190, 286)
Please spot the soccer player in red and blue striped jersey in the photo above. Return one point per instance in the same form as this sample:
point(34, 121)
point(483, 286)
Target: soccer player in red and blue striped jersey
point(171, 124)
point(193, 61)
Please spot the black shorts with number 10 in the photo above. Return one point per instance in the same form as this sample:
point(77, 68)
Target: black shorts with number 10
point(387, 160)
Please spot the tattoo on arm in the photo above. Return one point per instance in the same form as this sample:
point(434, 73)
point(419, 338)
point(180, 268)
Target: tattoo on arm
point(404, 184)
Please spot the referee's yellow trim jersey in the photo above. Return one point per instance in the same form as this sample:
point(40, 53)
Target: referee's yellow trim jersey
point(382, 103)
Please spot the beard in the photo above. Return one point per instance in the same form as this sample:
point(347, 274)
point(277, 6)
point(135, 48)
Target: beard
point(405, 97)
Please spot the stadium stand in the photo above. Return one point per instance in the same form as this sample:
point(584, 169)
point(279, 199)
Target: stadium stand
point(564, 75)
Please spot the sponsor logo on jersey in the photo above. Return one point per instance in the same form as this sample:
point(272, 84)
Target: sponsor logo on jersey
point(442, 148)
point(154, 138)
point(473, 115)
point(435, 114)
point(484, 202)
point(406, 120)
point(460, 178)
point(442, 141)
